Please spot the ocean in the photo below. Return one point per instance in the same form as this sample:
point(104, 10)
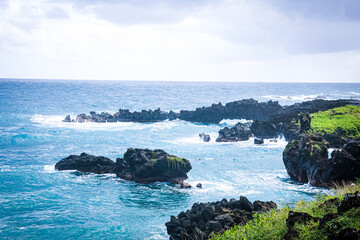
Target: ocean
point(37, 202)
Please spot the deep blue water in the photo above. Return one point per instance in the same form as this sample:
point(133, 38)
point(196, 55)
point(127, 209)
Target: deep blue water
point(37, 202)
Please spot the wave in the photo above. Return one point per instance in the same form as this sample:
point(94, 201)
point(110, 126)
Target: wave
point(279, 142)
point(232, 122)
point(297, 97)
point(49, 168)
point(56, 121)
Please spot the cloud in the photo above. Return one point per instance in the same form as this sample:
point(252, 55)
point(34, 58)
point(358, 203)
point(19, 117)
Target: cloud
point(217, 40)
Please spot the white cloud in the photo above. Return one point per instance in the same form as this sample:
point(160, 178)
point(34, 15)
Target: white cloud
point(220, 41)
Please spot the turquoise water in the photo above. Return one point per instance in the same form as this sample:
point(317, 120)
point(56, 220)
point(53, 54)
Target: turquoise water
point(37, 202)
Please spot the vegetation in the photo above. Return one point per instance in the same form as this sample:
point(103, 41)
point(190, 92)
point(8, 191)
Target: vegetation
point(342, 120)
point(272, 225)
point(176, 162)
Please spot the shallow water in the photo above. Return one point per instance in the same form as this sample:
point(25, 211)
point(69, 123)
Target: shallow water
point(38, 202)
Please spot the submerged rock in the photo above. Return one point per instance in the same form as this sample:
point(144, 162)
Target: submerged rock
point(206, 218)
point(139, 165)
point(240, 132)
point(205, 137)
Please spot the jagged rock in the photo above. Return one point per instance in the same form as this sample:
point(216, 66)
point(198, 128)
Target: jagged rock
point(205, 137)
point(240, 132)
point(204, 219)
point(258, 141)
point(68, 119)
point(154, 166)
point(263, 206)
point(244, 109)
point(263, 129)
point(305, 122)
point(139, 165)
point(306, 160)
point(86, 163)
point(299, 218)
point(199, 185)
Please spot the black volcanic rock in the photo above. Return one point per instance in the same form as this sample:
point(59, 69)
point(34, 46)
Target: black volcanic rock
point(240, 132)
point(249, 109)
point(244, 109)
point(139, 165)
point(86, 163)
point(145, 166)
point(306, 160)
point(263, 129)
point(258, 141)
point(205, 137)
point(203, 219)
point(305, 122)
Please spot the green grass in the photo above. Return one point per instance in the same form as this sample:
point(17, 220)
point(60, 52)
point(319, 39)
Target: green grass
point(272, 225)
point(346, 118)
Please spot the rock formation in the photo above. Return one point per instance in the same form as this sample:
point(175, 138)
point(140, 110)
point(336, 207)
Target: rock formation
point(263, 129)
point(206, 218)
point(240, 132)
point(139, 165)
point(249, 109)
point(205, 137)
point(306, 160)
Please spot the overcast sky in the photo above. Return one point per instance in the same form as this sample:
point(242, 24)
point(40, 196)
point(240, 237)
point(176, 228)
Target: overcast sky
point(181, 40)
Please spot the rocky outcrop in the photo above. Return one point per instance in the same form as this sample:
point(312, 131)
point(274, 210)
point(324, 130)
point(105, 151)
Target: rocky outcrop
point(305, 122)
point(205, 137)
point(240, 132)
point(244, 109)
point(206, 218)
point(144, 165)
point(306, 160)
point(139, 165)
point(264, 129)
point(258, 141)
point(86, 163)
point(124, 115)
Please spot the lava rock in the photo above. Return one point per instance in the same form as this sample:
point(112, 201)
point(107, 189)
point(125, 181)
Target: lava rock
point(139, 165)
point(305, 122)
point(350, 200)
point(68, 119)
point(240, 132)
point(86, 163)
point(263, 129)
point(258, 141)
point(205, 137)
point(204, 219)
point(154, 166)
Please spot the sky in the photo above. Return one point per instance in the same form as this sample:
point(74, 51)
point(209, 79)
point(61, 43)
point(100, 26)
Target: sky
point(181, 40)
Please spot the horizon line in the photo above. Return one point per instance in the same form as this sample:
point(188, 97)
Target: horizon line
point(149, 80)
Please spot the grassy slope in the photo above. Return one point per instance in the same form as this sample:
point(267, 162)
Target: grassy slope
point(346, 118)
point(272, 225)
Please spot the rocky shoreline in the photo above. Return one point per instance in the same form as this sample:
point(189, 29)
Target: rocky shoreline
point(249, 109)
